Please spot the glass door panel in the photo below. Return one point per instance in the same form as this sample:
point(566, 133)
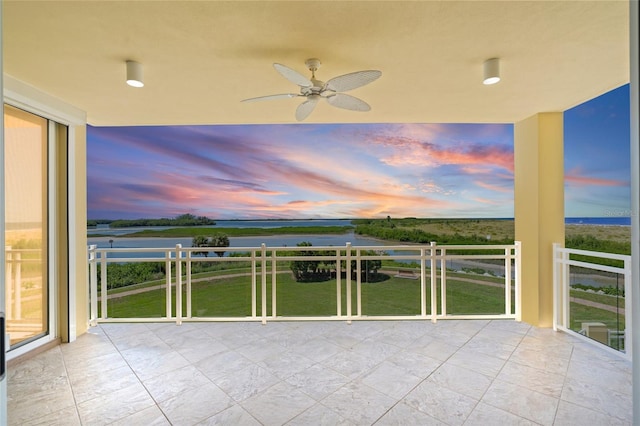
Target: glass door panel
point(26, 282)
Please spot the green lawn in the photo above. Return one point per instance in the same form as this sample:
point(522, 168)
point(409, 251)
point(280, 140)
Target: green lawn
point(231, 297)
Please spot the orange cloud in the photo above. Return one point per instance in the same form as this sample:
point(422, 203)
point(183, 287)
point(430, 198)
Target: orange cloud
point(574, 177)
point(497, 188)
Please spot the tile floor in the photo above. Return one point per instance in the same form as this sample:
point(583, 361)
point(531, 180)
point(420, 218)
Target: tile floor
point(322, 373)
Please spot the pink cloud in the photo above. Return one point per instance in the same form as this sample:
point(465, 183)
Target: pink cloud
point(579, 180)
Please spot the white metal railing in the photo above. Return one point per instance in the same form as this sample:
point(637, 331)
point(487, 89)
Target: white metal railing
point(592, 329)
point(15, 259)
point(430, 266)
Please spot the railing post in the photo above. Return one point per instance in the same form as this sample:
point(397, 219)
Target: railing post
point(189, 312)
point(434, 282)
point(103, 284)
point(556, 286)
point(274, 280)
point(443, 281)
point(168, 283)
point(338, 284)
point(178, 284)
point(263, 271)
point(359, 280)
point(348, 268)
point(254, 301)
point(628, 309)
point(565, 283)
point(17, 288)
point(9, 282)
point(423, 283)
point(93, 285)
point(518, 265)
point(507, 281)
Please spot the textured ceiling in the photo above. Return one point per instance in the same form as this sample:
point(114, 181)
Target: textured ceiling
point(201, 58)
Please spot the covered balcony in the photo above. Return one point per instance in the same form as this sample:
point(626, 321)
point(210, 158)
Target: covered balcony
point(473, 372)
point(517, 361)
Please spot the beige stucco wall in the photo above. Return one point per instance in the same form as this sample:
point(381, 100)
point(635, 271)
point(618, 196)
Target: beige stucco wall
point(539, 209)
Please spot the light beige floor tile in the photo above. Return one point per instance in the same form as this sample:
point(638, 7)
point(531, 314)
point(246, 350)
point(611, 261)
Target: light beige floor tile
point(102, 363)
point(260, 349)
point(402, 414)
point(65, 417)
point(376, 350)
point(479, 362)
point(390, 380)
point(501, 335)
point(350, 364)
point(286, 364)
point(522, 402)
point(532, 378)
point(96, 383)
point(317, 348)
point(147, 368)
point(278, 404)
point(570, 414)
point(489, 345)
point(246, 383)
point(484, 415)
point(195, 405)
point(317, 381)
point(151, 416)
point(319, 415)
point(446, 405)
point(234, 415)
point(598, 398)
point(222, 364)
point(115, 406)
point(359, 403)
point(601, 374)
point(173, 383)
point(541, 359)
point(414, 363)
point(463, 380)
point(434, 348)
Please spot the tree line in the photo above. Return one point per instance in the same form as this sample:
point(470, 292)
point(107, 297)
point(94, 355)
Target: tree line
point(181, 220)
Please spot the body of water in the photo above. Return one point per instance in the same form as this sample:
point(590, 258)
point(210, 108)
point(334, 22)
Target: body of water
point(105, 230)
point(611, 220)
point(272, 240)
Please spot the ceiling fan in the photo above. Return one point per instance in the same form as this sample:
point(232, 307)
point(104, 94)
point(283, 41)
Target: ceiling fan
point(314, 90)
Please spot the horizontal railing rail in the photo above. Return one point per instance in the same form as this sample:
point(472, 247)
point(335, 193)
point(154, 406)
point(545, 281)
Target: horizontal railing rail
point(588, 310)
point(308, 283)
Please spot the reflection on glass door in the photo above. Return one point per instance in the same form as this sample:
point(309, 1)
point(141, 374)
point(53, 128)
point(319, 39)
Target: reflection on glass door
point(26, 282)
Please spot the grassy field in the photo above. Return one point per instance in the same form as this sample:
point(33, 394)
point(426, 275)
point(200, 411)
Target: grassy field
point(500, 229)
point(231, 297)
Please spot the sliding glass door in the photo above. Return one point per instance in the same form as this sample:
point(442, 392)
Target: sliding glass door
point(27, 282)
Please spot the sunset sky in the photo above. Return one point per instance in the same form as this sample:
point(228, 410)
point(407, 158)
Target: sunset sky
point(348, 170)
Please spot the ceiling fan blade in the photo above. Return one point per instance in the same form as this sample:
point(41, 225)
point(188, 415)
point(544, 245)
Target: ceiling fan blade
point(293, 76)
point(305, 108)
point(342, 100)
point(269, 97)
point(353, 80)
